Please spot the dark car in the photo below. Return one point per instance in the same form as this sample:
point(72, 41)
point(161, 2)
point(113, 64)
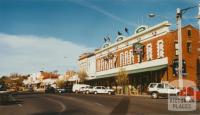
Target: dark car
point(64, 90)
point(50, 89)
point(2, 87)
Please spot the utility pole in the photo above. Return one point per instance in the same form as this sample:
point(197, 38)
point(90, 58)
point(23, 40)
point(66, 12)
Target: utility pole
point(180, 58)
point(179, 13)
point(198, 17)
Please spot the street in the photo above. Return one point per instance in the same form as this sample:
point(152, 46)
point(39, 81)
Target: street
point(81, 104)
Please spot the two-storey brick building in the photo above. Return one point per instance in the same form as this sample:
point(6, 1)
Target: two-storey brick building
point(149, 55)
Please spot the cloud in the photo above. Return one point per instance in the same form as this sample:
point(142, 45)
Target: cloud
point(104, 12)
point(30, 54)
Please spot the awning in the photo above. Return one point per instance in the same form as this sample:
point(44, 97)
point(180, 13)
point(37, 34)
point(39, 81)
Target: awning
point(135, 71)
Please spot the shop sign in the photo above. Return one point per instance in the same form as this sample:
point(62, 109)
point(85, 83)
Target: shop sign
point(138, 48)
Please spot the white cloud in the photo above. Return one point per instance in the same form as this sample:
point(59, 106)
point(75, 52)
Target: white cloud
point(29, 54)
point(104, 12)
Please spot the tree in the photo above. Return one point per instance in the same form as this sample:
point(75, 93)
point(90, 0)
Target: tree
point(60, 83)
point(122, 78)
point(82, 75)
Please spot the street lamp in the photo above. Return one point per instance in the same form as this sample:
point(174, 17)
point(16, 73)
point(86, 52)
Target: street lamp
point(152, 15)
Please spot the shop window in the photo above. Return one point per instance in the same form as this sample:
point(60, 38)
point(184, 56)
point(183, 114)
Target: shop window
point(189, 47)
point(189, 32)
point(160, 49)
point(149, 51)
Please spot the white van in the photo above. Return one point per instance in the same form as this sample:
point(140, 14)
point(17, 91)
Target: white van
point(77, 87)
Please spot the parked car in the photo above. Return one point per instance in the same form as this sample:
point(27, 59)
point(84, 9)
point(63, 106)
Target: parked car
point(88, 89)
point(190, 93)
point(157, 90)
point(2, 87)
point(102, 90)
point(50, 89)
point(77, 88)
point(64, 90)
point(40, 89)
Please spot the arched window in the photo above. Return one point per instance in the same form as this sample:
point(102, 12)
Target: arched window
point(160, 49)
point(121, 59)
point(131, 58)
point(126, 58)
point(149, 51)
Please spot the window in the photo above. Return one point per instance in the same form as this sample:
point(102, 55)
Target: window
point(160, 49)
point(149, 51)
point(115, 61)
point(121, 59)
point(189, 47)
point(111, 64)
point(138, 58)
point(98, 65)
point(160, 86)
point(189, 33)
point(131, 57)
point(126, 58)
point(176, 48)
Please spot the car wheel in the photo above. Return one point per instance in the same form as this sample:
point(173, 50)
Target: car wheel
point(154, 95)
point(95, 92)
point(109, 93)
point(76, 91)
point(87, 92)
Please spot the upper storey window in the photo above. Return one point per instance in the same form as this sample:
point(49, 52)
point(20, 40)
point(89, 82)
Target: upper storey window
point(160, 49)
point(149, 51)
point(189, 33)
point(121, 59)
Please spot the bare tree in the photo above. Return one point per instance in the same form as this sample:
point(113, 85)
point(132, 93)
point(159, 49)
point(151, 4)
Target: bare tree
point(122, 78)
point(60, 83)
point(82, 74)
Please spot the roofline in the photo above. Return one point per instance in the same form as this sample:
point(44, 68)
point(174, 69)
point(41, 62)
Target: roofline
point(174, 30)
point(165, 23)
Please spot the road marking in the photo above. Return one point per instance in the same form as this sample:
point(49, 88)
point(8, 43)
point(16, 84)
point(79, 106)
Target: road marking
point(99, 104)
point(63, 107)
point(20, 105)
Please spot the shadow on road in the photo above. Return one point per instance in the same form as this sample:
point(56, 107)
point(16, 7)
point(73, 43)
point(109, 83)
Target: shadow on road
point(11, 103)
point(122, 107)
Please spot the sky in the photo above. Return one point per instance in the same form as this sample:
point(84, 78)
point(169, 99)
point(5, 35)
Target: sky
point(49, 35)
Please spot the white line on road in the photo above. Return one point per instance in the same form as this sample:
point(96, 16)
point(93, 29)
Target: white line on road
point(58, 102)
point(99, 104)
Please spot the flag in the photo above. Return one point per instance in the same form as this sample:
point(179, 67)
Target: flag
point(119, 33)
point(105, 39)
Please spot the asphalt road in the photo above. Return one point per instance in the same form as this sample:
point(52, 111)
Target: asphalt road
point(82, 104)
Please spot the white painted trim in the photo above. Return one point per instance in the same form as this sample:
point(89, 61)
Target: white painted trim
point(147, 64)
point(164, 24)
point(102, 54)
